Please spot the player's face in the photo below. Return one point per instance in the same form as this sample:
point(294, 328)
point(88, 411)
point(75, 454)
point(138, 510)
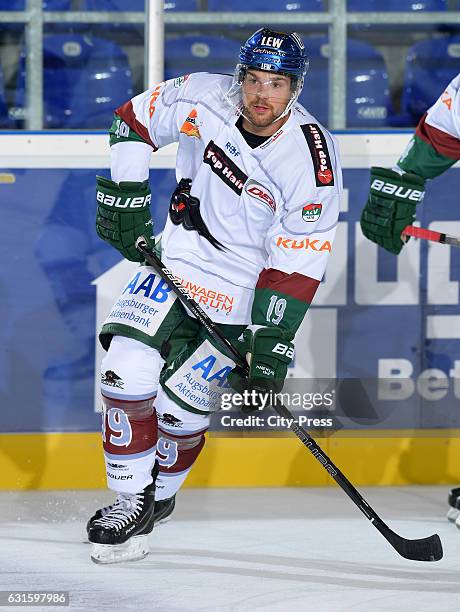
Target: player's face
point(265, 97)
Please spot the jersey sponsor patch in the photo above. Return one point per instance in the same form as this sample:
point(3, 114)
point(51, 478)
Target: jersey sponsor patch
point(190, 126)
point(319, 154)
point(179, 81)
point(111, 379)
point(213, 299)
point(307, 244)
point(311, 212)
point(260, 193)
point(224, 167)
point(154, 98)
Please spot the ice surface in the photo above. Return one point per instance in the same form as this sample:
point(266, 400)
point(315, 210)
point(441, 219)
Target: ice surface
point(239, 550)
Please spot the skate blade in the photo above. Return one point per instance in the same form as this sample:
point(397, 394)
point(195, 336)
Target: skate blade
point(452, 514)
point(134, 549)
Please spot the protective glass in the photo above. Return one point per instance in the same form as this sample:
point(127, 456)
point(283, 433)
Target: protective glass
point(248, 87)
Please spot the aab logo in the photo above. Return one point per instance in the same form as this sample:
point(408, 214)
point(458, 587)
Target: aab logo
point(306, 244)
point(111, 379)
point(209, 371)
point(311, 212)
point(190, 127)
point(260, 193)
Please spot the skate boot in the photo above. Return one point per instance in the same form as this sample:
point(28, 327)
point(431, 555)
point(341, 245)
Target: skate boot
point(162, 512)
point(122, 533)
point(164, 509)
point(454, 502)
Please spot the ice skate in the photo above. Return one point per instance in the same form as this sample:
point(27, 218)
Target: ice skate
point(121, 534)
point(453, 513)
point(162, 512)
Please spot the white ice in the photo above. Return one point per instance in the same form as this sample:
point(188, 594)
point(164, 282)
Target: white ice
point(239, 550)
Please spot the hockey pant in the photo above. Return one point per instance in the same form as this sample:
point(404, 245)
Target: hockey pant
point(145, 419)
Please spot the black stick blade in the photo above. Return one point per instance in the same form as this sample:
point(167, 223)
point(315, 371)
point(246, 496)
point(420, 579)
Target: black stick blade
point(424, 549)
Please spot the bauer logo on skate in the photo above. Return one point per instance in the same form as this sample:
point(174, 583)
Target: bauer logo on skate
point(307, 244)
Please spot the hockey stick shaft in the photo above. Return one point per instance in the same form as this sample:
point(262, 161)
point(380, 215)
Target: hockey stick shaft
point(427, 549)
point(433, 236)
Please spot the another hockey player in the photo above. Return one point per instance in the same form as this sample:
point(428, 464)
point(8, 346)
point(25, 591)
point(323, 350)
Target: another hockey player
point(394, 194)
point(250, 229)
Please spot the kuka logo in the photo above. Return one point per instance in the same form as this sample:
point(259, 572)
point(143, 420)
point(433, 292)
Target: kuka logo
point(306, 244)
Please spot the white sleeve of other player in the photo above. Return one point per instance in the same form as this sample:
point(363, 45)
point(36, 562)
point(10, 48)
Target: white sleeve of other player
point(445, 112)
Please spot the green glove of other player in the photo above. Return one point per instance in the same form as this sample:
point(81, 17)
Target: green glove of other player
point(391, 206)
point(269, 353)
point(123, 214)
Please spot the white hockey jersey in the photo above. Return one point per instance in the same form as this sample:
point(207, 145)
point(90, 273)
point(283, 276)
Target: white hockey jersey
point(435, 146)
point(274, 208)
point(445, 112)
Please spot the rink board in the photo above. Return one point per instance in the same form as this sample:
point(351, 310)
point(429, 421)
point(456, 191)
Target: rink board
point(74, 460)
point(374, 314)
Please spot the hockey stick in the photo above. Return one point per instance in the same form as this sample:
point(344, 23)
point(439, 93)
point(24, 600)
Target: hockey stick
point(426, 234)
point(423, 549)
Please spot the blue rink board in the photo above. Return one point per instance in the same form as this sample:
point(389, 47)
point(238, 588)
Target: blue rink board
point(50, 255)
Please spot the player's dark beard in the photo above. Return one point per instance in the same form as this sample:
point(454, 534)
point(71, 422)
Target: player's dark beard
point(256, 121)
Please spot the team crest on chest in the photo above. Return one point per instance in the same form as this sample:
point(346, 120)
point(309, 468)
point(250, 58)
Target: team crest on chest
point(311, 212)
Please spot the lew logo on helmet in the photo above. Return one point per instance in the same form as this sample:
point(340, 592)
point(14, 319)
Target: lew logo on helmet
point(271, 41)
point(311, 212)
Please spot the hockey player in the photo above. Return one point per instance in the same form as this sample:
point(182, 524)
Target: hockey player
point(250, 229)
point(394, 194)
